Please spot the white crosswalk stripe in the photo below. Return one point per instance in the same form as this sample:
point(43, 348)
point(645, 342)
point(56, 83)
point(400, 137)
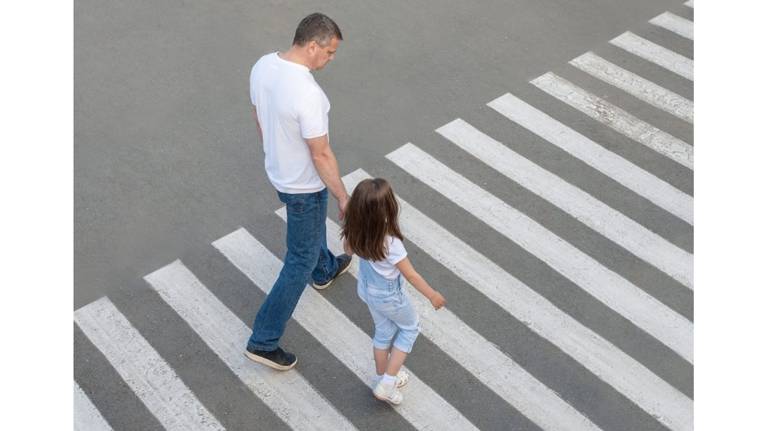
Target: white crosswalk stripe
point(624, 172)
point(599, 356)
point(287, 394)
point(674, 23)
point(143, 369)
point(645, 311)
point(584, 207)
point(87, 417)
point(635, 85)
point(689, 3)
point(656, 54)
point(479, 356)
point(338, 334)
point(616, 118)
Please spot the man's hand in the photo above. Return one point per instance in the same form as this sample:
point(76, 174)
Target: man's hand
point(343, 206)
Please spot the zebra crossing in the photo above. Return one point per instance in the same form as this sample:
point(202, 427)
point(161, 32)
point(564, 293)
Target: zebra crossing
point(616, 118)
point(291, 397)
point(675, 24)
point(335, 331)
point(616, 292)
point(641, 385)
point(584, 207)
point(145, 371)
point(645, 184)
point(481, 358)
point(524, 304)
point(635, 85)
point(655, 53)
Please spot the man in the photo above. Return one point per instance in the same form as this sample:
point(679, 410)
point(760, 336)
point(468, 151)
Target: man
point(291, 112)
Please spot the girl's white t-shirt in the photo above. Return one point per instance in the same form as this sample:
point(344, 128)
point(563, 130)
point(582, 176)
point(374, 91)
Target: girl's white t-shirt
point(395, 253)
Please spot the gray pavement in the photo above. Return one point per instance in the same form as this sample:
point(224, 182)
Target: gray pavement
point(167, 161)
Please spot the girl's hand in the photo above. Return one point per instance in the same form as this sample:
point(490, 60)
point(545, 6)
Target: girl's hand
point(437, 300)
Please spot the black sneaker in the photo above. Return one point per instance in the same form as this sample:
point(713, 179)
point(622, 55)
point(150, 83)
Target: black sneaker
point(344, 261)
point(278, 359)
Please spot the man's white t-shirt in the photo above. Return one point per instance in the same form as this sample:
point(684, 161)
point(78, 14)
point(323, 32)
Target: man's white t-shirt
point(291, 107)
point(395, 253)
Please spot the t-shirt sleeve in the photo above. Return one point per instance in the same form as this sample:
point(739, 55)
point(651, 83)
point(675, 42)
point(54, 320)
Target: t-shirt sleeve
point(254, 84)
point(313, 115)
point(396, 251)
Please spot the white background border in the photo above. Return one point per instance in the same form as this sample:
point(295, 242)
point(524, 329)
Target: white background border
point(731, 368)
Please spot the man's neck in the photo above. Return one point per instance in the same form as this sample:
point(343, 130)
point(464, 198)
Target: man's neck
point(294, 56)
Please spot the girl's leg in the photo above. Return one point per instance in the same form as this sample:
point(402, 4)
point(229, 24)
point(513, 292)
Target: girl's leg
point(382, 358)
point(384, 333)
point(396, 360)
point(407, 320)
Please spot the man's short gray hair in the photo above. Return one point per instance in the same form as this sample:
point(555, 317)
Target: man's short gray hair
point(317, 27)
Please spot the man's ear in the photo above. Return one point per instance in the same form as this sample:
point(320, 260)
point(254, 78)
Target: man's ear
point(312, 47)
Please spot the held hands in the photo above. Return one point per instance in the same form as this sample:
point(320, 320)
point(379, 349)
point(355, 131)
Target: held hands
point(437, 300)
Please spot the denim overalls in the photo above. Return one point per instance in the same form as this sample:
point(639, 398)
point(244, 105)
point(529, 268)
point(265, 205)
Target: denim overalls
point(393, 315)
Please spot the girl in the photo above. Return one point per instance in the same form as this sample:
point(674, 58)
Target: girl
point(371, 231)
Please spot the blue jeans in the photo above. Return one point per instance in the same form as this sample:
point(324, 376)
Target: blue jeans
point(394, 319)
point(307, 259)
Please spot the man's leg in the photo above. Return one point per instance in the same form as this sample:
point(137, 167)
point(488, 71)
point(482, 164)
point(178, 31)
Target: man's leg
point(327, 264)
point(306, 214)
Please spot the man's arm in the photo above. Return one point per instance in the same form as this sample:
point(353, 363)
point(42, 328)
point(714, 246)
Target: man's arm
point(328, 169)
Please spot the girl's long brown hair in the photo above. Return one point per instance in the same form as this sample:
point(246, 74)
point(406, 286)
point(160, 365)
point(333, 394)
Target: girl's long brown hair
point(370, 216)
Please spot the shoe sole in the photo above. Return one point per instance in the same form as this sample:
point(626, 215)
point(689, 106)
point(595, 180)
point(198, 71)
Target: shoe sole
point(327, 285)
point(264, 361)
point(386, 400)
point(398, 385)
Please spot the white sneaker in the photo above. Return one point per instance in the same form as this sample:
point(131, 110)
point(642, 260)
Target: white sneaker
point(402, 379)
point(388, 393)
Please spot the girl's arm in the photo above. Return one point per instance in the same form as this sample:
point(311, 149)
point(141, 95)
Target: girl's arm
point(418, 282)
